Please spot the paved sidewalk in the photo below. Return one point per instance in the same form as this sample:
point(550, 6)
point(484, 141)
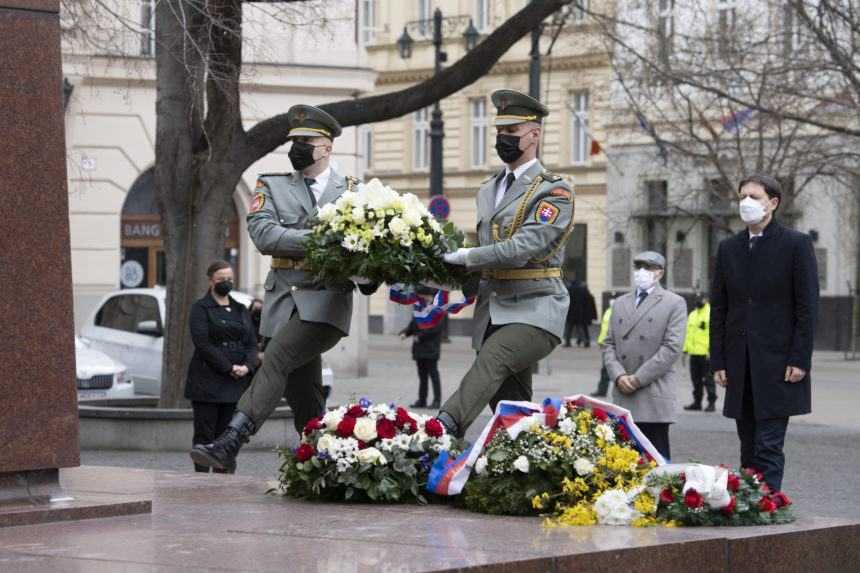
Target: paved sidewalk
point(821, 449)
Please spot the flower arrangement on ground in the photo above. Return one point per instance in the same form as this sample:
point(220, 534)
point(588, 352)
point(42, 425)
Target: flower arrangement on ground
point(377, 233)
point(364, 452)
point(557, 465)
point(705, 495)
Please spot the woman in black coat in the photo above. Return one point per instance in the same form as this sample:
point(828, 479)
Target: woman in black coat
point(225, 356)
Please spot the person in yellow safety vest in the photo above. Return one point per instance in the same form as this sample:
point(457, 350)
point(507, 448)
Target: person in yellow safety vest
point(697, 347)
point(603, 383)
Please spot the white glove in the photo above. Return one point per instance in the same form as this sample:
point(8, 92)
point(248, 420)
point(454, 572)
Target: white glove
point(458, 257)
point(361, 280)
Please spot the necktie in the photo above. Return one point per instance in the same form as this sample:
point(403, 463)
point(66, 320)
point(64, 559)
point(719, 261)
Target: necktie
point(642, 295)
point(308, 182)
point(509, 180)
point(753, 241)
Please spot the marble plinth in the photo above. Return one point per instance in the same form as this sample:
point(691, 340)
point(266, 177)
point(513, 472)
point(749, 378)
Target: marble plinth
point(226, 523)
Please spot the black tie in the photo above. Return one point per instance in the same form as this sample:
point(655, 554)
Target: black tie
point(753, 241)
point(509, 180)
point(308, 182)
point(643, 294)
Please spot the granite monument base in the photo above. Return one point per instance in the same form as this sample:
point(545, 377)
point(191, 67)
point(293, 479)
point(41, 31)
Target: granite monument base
point(223, 522)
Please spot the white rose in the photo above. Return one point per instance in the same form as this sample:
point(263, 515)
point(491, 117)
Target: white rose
point(481, 465)
point(365, 429)
point(583, 467)
point(332, 419)
point(358, 215)
point(371, 456)
point(398, 227)
point(324, 443)
point(327, 212)
point(613, 508)
point(522, 464)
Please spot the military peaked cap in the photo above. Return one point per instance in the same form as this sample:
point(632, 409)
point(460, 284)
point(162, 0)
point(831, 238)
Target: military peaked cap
point(513, 107)
point(310, 121)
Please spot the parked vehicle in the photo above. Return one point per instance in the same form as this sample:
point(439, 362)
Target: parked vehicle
point(98, 375)
point(128, 325)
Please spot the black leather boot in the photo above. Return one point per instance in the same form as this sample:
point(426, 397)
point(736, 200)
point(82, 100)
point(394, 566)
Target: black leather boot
point(221, 453)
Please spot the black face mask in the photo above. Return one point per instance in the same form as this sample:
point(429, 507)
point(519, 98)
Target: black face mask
point(301, 155)
point(223, 288)
point(508, 147)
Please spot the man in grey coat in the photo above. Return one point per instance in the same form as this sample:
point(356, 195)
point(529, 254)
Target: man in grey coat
point(303, 318)
point(525, 216)
point(641, 350)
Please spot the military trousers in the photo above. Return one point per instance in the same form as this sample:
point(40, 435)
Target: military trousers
point(501, 371)
point(292, 368)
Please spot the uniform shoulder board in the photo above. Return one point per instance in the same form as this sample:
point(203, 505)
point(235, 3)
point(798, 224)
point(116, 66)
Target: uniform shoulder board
point(261, 175)
point(551, 177)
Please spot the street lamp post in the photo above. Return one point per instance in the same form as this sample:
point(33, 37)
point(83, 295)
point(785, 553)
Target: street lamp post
point(437, 124)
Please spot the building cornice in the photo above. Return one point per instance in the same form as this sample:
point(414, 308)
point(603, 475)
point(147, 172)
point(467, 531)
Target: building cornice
point(567, 63)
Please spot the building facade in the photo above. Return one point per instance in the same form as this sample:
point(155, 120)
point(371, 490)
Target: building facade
point(290, 58)
point(574, 85)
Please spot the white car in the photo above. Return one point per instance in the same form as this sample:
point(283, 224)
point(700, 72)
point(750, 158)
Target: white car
point(128, 325)
point(98, 375)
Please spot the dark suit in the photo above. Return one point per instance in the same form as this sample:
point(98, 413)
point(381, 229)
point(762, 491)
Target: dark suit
point(763, 307)
point(426, 349)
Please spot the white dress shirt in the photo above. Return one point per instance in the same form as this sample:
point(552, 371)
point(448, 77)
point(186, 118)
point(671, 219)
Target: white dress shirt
point(500, 184)
point(320, 182)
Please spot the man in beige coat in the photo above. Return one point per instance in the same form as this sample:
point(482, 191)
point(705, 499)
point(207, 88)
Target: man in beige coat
point(642, 347)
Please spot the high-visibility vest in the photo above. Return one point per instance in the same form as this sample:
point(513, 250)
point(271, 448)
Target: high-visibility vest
point(604, 325)
point(698, 338)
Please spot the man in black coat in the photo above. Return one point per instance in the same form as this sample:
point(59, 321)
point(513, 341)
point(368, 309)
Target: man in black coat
point(764, 300)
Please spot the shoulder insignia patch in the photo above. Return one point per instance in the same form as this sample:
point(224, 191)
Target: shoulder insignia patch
point(260, 183)
point(546, 213)
point(259, 201)
point(563, 193)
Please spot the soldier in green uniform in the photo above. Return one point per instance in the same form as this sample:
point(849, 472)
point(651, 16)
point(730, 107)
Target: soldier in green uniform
point(525, 216)
point(302, 317)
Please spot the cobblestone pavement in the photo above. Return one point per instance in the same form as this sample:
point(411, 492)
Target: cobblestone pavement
point(821, 449)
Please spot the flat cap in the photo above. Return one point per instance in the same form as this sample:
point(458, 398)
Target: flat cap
point(310, 121)
point(513, 107)
point(651, 258)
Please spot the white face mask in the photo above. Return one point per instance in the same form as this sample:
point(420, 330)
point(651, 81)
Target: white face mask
point(751, 211)
point(644, 279)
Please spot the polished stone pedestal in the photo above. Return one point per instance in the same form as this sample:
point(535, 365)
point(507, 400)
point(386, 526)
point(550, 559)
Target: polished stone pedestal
point(226, 523)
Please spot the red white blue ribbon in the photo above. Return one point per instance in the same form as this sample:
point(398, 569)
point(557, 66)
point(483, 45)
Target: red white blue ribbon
point(448, 476)
point(428, 315)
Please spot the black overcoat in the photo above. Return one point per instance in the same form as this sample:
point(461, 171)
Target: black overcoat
point(763, 308)
point(427, 344)
point(221, 339)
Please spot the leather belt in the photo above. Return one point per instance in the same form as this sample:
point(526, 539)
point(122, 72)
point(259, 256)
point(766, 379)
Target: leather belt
point(521, 274)
point(285, 263)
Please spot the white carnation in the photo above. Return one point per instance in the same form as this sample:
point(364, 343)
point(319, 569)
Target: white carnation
point(358, 215)
point(327, 212)
point(365, 429)
point(613, 508)
point(481, 465)
point(567, 426)
point(522, 464)
point(583, 467)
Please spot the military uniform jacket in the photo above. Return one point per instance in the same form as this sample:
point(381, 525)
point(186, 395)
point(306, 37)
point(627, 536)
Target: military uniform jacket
point(538, 243)
point(279, 222)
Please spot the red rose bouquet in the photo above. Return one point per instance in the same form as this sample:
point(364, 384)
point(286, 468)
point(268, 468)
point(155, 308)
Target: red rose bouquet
point(364, 452)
